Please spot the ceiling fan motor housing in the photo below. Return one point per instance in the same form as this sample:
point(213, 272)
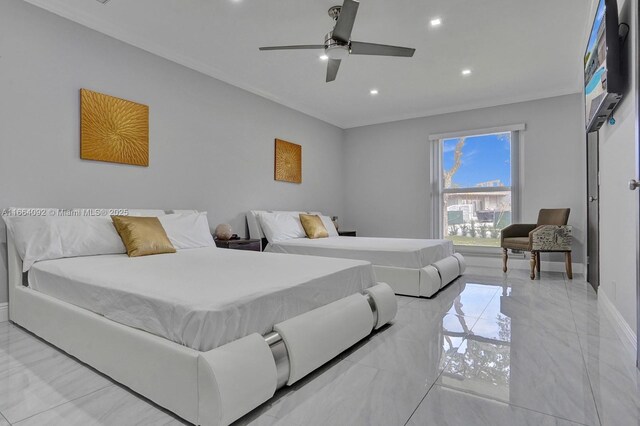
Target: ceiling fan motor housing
point(335, 49)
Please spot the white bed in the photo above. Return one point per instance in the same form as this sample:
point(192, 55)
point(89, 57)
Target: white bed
point(396, 252)
point(201, 298)
point(414, 267)
point(134, 320)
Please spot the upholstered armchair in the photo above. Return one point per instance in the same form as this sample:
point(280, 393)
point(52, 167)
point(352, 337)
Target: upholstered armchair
point(549, 234)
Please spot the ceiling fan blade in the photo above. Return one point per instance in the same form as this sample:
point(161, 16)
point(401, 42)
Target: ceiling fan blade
point(344, 25)
point(298, 47)
point(361, 48)
point(332, 69)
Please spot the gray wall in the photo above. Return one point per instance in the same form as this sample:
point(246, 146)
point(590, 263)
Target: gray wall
point(211, 144)
point(618, 214)
point(388, 175)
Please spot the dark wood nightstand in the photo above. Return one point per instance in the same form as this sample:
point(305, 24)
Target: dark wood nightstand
point(346, 233)
point(241, 244)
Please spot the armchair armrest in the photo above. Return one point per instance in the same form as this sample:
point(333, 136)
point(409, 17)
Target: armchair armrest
point(551, 238)
point(517, 230)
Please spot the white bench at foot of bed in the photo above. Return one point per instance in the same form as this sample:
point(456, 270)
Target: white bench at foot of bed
point(423, 282)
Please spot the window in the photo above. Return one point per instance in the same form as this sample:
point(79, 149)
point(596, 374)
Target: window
point(476, 176)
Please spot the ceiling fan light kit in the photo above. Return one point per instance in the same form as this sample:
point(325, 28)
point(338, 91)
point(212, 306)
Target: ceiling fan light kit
point(338, 44)
point(334, 49)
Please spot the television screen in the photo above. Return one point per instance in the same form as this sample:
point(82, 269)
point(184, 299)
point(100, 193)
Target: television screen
point(595, 63)
point(602, 80)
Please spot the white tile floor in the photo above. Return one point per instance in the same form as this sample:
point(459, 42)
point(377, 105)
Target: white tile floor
point(490, 349)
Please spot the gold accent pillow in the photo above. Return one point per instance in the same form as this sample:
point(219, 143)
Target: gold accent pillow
point(142, 236)
point(313, 226)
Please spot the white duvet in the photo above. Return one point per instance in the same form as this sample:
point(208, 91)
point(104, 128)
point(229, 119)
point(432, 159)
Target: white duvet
point(396, 252)
point(201, 298)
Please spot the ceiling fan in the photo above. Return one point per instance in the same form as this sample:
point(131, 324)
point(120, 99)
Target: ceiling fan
point(338, 44)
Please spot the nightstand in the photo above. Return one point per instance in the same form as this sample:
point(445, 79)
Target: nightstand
point(346, 233)
point(242, 244)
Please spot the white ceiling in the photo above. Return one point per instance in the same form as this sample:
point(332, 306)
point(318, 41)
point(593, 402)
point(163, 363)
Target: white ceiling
point(517, 49)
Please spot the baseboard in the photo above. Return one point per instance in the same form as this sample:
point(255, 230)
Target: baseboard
point(626, 334)
point(4, 312)
point(496, 262)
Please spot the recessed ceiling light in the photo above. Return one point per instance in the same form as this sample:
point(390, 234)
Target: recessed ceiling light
point(466, 72)
point(324, 57)
point(435, 22)
point(373, 91)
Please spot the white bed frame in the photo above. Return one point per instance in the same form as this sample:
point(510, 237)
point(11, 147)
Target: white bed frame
point(423, 282)
point(206, 388)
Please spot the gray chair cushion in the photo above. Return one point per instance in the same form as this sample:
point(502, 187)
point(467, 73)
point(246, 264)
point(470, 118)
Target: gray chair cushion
point(517, 243)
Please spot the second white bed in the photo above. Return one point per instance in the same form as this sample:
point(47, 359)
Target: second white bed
point(394, 252)
point(414, 267)
point(201, 298)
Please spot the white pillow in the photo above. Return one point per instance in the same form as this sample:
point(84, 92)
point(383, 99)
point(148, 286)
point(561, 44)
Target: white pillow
point(53, 237)
point(144, 212)
point(184, 211)
point(281, 226)
point(187, 230)
point(293, 213)
point(328, 223)
point(256, 214)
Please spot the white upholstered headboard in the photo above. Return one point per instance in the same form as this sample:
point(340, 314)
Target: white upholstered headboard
point(255, 230)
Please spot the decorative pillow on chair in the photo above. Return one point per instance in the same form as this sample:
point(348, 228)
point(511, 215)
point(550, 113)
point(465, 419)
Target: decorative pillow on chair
point(313, 226)
point(142, 236)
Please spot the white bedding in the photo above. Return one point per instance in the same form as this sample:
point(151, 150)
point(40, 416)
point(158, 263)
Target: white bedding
point(396, 252)
point(201, 298)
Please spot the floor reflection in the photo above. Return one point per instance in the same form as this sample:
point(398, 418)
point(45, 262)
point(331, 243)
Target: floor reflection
point(477, 360)
point(515, 341)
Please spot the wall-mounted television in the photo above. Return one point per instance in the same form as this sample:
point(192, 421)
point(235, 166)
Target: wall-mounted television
point(602, 78)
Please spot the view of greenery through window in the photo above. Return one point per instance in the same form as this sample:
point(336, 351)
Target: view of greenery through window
point(476, 177)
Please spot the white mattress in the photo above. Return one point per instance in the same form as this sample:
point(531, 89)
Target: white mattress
point(397, 252)
point(201, 298)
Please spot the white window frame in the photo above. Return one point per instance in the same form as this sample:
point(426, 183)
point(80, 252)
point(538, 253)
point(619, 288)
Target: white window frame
point(437, 191)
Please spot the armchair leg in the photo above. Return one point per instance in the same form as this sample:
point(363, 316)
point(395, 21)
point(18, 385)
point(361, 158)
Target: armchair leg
point(538, 263)
point(533, 264)
point(567, 264)
point(505, 257)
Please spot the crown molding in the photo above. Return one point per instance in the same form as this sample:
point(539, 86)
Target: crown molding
point(59, 8)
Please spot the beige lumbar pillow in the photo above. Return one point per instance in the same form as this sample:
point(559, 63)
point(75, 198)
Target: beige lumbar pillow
point(142, 236)
point(313, 226)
